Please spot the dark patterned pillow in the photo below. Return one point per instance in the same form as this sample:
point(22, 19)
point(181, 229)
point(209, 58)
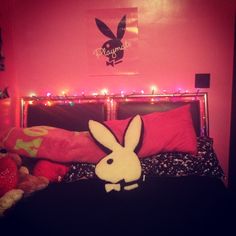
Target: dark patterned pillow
point(205, 163)
point(171, 164)
point(80, 171)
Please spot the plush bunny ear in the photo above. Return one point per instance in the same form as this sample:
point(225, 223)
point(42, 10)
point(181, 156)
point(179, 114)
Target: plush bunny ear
point(121, 28)
point(133, 133)
point(103, 135)
point(104, 29)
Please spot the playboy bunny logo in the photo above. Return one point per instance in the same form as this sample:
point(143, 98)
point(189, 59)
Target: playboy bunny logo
point(113, 48)
point(121, 168)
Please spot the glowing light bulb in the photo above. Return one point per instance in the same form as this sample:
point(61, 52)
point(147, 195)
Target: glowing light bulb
point(65, 92)
point(48, 103)
point(49, 94)
point(104, 91)
point(153, 89)
point(32, 94)
point(71, 103)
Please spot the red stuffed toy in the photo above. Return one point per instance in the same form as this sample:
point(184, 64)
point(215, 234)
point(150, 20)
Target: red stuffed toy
point(54, 172)
point(8, 174)
point(16, 182)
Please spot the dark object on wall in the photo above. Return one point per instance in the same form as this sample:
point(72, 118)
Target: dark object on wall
point(202, 80)
point(4, 93)
point(2, 67)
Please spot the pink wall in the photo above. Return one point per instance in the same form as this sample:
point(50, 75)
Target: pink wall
point(8, 107)
point(46, 50)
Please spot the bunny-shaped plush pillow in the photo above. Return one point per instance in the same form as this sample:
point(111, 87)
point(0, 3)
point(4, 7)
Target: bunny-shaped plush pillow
point(122, 164)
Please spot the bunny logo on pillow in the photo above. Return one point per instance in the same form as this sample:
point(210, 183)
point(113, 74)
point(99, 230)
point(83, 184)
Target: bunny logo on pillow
point(122, 164)
point(113, 48)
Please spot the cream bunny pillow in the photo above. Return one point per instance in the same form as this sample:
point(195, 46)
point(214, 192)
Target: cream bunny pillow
point(122, 164)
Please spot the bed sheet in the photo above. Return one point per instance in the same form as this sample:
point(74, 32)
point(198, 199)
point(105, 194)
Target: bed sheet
point(189, 205)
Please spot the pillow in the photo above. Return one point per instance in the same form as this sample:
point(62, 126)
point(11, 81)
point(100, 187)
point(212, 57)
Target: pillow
point(121, 169)
point(166, 164)
point(163, 132)
point(54, 144)
point(183, 164)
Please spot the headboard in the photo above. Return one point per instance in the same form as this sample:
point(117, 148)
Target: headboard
point(73, 112)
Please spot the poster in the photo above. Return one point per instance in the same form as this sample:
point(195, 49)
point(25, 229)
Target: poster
point(112, 41)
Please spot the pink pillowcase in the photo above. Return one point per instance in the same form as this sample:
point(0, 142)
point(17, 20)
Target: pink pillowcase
point(54, 144)
point(163, 132)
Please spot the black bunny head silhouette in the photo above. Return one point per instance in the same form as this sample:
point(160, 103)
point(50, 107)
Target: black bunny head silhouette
point(113, 48)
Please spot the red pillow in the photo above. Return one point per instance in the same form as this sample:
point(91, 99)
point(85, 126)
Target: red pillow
point(163, 132)
point(52, 171)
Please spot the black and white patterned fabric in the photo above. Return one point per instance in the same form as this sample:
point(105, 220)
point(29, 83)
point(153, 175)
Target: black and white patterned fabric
point(168, 164)
point(79, 171)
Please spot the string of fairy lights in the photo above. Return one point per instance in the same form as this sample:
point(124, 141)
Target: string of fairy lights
point(49, 99)
point(154, 94)
point(153, 90)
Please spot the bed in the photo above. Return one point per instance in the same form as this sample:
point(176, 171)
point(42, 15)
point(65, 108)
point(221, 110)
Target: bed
point(180, 191)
